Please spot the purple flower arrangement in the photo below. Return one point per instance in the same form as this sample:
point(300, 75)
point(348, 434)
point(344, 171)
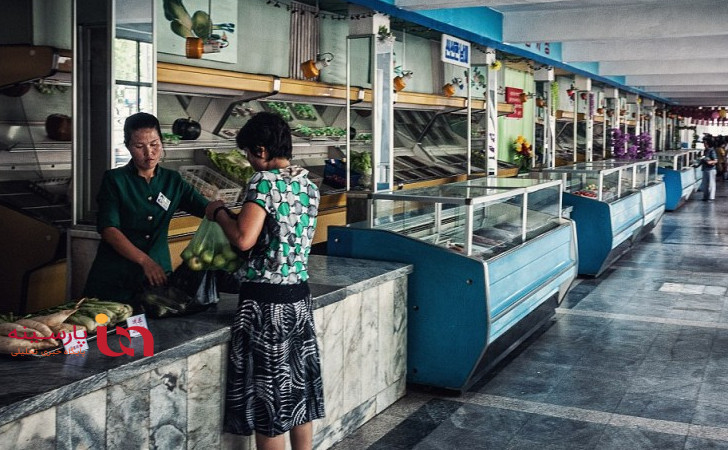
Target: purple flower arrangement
point(629, 146)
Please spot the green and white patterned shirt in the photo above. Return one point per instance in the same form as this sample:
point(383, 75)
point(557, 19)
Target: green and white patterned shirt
point(291, 203)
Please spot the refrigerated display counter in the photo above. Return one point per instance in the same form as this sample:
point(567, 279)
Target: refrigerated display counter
point(492, 259)
point(681, 178)
point(614, 204)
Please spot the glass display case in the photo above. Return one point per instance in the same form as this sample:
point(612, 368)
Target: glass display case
point(498, 246)
point(614, 203)
point(481, 217)
point(682, 178)
point(594, 179)
point(676, 159)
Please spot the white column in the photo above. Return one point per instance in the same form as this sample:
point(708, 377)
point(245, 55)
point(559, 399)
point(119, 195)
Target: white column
point(546, 75)
point(491, 121)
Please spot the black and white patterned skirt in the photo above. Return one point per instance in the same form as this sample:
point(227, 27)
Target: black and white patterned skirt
point(274, 374)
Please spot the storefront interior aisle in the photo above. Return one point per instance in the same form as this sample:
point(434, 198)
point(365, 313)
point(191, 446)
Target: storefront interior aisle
point(634, 359)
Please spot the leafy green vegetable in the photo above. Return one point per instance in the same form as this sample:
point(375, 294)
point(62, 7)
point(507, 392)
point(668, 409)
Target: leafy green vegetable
point(281, 109)
point(233, 164)
point(361, 162)
point(304, 111)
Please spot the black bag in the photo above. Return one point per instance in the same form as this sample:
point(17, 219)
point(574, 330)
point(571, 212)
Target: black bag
point(159, 302)
point(199, 285)
point(186, 292)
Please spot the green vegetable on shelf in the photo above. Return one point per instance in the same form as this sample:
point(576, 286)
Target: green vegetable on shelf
point(304, 111)
point(303, 130)
point(361, 162)
point(232, 164)
point(281, 109)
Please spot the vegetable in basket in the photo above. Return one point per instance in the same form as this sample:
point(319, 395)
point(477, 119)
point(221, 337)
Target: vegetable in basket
point(232, 164)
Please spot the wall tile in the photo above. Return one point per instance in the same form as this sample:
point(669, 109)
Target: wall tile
point(353, 361)
point(331, 345)
point(127, 414)
point(204, 398)
point(369, 371)
point(35, 432)
point(168, 406)
point(81, 423)
point(387, 350)
point(400, 327)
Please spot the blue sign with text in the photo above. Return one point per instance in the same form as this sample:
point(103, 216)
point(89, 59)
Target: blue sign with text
point(455, 51)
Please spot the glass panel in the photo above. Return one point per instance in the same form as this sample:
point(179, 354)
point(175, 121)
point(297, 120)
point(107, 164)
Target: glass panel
point(609, 186)
point(146, 67)
point(543, 210)
point(497, 226)
point(642, 176)
point(439, 214)
point(126, 60)
point(627, 180)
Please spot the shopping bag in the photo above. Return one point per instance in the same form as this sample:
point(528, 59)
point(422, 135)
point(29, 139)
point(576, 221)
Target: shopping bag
point(160, 302)
point(209, 249)
point(199, 285)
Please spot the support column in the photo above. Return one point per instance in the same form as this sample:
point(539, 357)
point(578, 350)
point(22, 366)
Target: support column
point(491, 121)
point(545, 75)
point(583, 85)
point(381, 63)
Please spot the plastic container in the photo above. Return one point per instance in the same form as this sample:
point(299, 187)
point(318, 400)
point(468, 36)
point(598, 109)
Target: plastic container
point(335, 174)
point(211, 184)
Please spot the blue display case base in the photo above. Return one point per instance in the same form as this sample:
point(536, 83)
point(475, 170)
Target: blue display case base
point(507, 343)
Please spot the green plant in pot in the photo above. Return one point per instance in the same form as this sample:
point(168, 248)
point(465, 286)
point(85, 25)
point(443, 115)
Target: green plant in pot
point(361, 163)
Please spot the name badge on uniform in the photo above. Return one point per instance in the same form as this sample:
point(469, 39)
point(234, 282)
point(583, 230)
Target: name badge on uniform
point(163, 201)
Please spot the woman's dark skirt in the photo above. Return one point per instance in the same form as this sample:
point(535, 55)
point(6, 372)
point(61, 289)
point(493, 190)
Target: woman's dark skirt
point(274, 374)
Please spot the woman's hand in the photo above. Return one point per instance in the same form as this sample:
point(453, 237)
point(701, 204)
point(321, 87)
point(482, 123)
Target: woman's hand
point(211, 207)
point(154, 272)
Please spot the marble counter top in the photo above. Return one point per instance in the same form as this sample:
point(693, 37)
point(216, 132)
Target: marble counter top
point(32, 384)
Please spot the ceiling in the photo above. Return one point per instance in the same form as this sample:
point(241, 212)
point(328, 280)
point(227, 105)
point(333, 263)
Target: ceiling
point(674, 50)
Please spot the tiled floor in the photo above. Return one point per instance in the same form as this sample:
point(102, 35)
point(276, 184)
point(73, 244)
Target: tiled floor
point(634, 359)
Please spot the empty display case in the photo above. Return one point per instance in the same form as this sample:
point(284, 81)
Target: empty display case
point(492, 258)
point(614, 203)
point(681, 178)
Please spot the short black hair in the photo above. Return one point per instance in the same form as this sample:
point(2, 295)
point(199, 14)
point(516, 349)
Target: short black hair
point(267, 130)
point(140, 121)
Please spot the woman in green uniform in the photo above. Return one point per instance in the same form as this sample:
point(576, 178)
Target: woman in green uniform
point(136, 204)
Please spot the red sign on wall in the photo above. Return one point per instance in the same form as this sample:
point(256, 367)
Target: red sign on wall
point(513, 96)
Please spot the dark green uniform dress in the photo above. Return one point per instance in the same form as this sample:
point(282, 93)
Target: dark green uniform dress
point(142, 211)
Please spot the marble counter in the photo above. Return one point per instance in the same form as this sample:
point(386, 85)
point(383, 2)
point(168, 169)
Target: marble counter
point(34, 386)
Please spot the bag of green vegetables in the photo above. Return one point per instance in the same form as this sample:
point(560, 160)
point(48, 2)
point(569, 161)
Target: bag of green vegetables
point(209, 249)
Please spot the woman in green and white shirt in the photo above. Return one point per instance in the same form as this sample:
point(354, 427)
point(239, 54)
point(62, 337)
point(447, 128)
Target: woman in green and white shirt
point(274, 378)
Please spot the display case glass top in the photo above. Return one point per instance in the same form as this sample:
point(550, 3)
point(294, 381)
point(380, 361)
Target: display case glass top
point(481, 217)
point(607, 180)
point(676, 159)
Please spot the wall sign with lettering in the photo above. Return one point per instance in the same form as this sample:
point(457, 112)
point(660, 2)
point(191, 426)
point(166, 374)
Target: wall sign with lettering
point(513, 97)
point(455, 51)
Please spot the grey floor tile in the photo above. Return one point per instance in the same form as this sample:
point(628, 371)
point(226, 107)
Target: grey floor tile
point(590, 389)
point(652, 406)
point(675, 387)
point(693, 443)
point(554, 432)
point(481, 426)
point(712, 413)
point(637, 439)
